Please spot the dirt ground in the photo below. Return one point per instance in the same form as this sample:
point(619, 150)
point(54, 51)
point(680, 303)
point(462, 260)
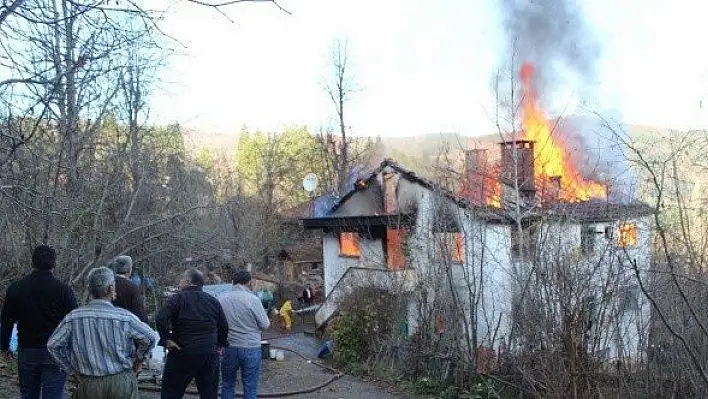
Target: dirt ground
point(288, 375)
point(291, 374)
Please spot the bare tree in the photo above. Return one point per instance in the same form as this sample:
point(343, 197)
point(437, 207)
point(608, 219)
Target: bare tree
point(341, 151)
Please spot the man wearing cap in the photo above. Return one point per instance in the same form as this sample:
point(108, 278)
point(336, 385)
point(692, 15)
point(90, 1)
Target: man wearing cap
point(246, 318)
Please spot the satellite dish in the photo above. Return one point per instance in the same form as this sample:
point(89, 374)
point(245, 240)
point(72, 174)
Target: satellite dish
point(309, 183)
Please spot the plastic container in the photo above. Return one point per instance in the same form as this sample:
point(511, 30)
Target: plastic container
point(280, 356)
point(13, 339)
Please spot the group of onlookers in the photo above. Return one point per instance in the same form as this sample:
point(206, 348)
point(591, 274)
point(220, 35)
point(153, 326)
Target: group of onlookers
point(105, 342)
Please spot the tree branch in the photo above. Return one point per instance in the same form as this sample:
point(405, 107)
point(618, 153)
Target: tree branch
point(216, 6)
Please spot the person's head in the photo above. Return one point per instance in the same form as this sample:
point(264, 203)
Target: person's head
point(242, 277)
point(122, 265)
point(192, 278)
point(44, 258)
point(102, 283)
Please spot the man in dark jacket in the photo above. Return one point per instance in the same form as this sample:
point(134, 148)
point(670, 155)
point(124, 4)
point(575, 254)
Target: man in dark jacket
point(37, 303)
point(127, 294)
point(193, 329)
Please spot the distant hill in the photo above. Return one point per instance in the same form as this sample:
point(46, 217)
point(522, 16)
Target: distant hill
point(217, 143)
point(422, 153)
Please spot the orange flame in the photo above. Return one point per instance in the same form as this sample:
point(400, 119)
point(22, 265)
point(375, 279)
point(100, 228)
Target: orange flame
point(495, 190)
point(551, 159)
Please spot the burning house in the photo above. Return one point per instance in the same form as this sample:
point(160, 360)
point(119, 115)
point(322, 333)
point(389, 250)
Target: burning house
point(527, 240)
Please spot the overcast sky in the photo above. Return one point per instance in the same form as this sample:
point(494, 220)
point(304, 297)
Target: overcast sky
point(422, 66)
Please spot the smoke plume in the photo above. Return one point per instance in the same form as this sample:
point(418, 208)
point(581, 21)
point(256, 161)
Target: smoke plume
point(554, 37)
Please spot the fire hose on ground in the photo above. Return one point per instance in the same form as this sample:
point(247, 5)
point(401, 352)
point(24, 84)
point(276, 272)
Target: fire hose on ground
point(337, 374)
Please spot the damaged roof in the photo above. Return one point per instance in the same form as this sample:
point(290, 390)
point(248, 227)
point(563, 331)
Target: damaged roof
point(298, 211)
point(594, 210)
point(406, 174)
point(597, 210)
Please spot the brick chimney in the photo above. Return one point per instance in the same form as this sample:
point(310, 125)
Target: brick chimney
point(517, 170)
point(476, 163)
point(390, 183)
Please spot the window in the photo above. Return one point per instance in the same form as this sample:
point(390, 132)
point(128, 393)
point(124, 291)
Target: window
point(627, 235)
point(524, 247)
point(395, 251)
point(349, 244)
point(451, 247)
point(587, 239)
point(628, 297)
point(458, 252)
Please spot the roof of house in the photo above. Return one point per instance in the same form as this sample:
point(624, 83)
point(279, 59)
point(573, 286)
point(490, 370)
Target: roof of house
point(598, 210)
point(303, 252)
point(361, 222)
point(298, 211)
point(407, 174)
point(594, 210)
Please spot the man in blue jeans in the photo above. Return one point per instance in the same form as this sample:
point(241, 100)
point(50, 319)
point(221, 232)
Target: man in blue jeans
point(246, 318)
point(37, 303)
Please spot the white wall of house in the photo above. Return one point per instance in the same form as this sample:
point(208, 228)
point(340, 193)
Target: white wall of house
point(622, 331)
point(489, 259)
point(336, 265)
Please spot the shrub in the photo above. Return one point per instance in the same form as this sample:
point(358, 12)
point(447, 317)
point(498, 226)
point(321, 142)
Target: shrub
point(365, 322)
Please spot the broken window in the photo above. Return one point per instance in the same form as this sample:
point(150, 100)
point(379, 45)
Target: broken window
point(524, 247)
point(395, 248)
point(627, 235)
point(587, 239)
point(349, 244)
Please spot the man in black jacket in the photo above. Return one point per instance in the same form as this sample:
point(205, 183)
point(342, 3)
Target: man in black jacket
point(127, 294)
point(193, 329)
point(37, 303)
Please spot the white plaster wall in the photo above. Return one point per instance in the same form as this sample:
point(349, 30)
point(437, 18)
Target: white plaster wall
point(333, 268)
point(361, 203)
point(492, 262)
point(559, 238)
point(421, 244)
point(622, 335)
point(408, 195)
point(335, 265)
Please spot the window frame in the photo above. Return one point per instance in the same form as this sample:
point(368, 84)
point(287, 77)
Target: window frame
point(529, 240)
point(588, 239)
point(627, 235)
point(356, 239)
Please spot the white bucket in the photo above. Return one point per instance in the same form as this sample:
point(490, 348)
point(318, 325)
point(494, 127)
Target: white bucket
point(280, 356)
point(273, 354)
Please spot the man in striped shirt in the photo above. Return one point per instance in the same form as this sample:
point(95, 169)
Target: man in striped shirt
point(103, 344)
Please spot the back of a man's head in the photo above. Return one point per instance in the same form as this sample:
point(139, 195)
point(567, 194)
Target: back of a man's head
point(100, 281)
point(242, 277)
point(194, 277)
point(122, 265)
point(44, 258)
